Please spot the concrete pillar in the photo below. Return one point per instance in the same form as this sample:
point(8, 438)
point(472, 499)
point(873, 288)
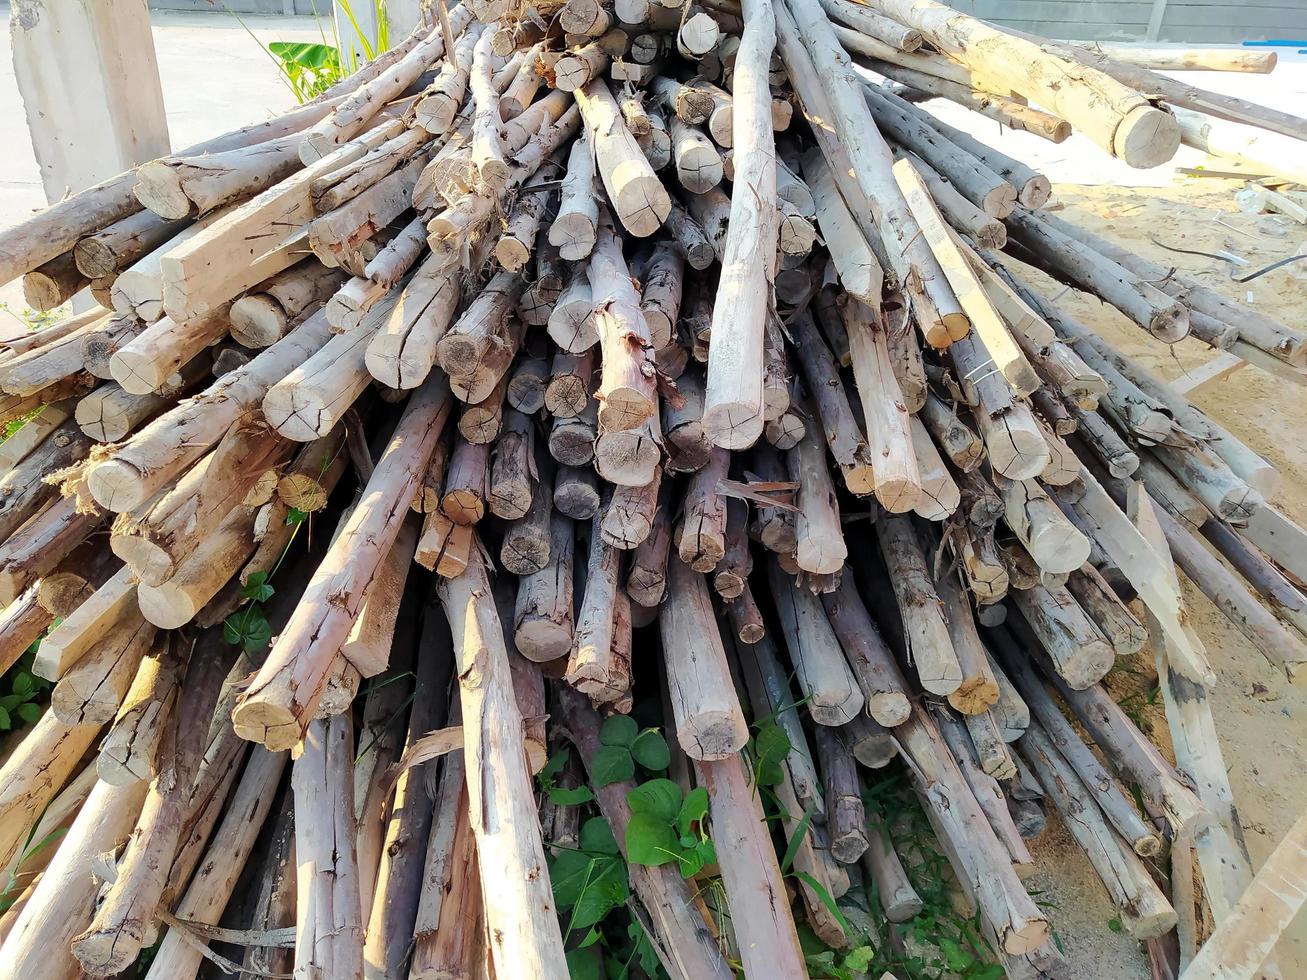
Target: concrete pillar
point(89, 79)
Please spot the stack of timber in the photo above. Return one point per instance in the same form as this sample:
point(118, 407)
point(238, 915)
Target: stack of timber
point(592, 360)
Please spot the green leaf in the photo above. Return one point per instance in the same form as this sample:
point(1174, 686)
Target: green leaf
point(1114, 923)
point(247, 628)
point(649, 841)
point(691, 862)
point(257, 588)
point(859, 958)
point(554, 766)
point(599, 898)
point(693, 810)
point(796, 841)
point(5, 723)
point(772, 746)
point(584, 964)
point(23, 684)
point(297, 516)
point(618, 730)
point(650, 750)
point(562, 796)
point(30, 713)
point(611, 764)
point(643, 948)
point(305, 55)
point(597, 837)
point(659, 799)
point(591, 937)
point(569, 873)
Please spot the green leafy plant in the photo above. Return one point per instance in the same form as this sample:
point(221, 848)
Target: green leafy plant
point(561, 795)
point(21, 705)
point(623, 744)
point(309, 68)
point(248, 626)
point(666, 826)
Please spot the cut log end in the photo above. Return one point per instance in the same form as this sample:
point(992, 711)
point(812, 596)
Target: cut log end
point(271, 725)
point(116, 486)
point(733, 425)
point(711, 735)
point(159, 188)
point(1146, 137)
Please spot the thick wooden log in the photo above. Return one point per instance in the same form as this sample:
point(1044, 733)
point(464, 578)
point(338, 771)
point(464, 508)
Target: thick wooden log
point(1117, 118)
point(636, 193)
point(925, 630)
point(626, 391)
point(525, 941)
point(766, 935)
point(709, 723)
point(974, 850)
point(64, 899)
point(823, 672)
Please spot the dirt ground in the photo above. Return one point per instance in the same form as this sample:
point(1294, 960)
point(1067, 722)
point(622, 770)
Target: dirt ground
point(1261, 719)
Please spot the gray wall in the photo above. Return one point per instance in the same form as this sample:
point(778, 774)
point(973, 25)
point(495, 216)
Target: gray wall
point(1209, 21)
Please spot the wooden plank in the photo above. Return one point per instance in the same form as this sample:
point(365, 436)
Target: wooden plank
point(1280, 539)
point(1221, 366)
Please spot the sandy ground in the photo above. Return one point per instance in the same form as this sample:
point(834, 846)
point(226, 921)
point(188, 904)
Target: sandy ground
point(216, 77)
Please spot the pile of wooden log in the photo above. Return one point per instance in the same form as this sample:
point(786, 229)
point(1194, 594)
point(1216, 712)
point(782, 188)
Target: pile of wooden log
point(635, 355)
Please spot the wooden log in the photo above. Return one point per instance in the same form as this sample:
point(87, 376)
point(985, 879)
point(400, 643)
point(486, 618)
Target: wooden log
point(974, 850)
point(91, 690)
point(1145, 304)
point(646, 577)
point(765, 935)
point(846, 818)
point(629, 457)
point(820, 547)
point(1144, 910)
point(630, 515)
point(894, 464)
point(979, 690)
point(129, 749)
point(134, 471)
point(898, 899)
point(289, 683)
point(733, 406)
point(574, 228)
point(926, 634)
point(38, 767)
point(626, 392)
point(576, 492)
point(126, 914)
point(64, 899)
point(1068, 635)
point(636, 193)
point(1113, 617)
point(701, 534)
point(71, 640)
point(709, 723)
point(328, 920)
point(39, 546)
point(874, 667)
point(510, 852)
point(1057, 730)
point(1053, 541)
point(984, 786)
point(824, 675)
point(940, 495)
point(592, 667)
point(1117, 118)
